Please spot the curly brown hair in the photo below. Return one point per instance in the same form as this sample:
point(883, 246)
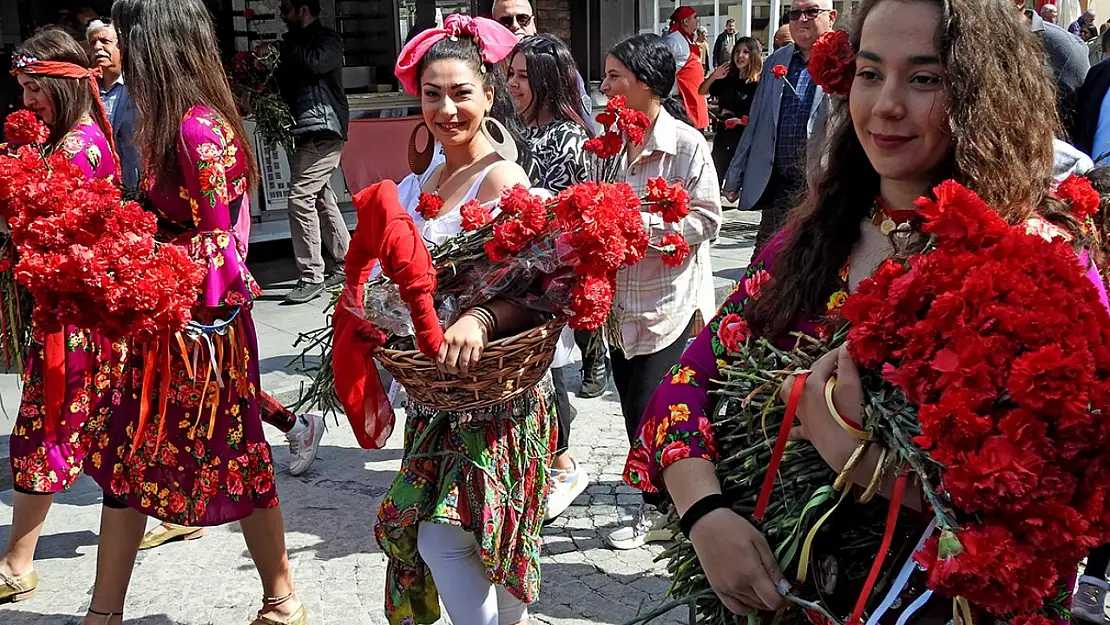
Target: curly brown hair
point(1002, 119)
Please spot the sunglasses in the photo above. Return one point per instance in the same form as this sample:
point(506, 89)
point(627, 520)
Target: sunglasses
point(523, 19)
point(810, 13)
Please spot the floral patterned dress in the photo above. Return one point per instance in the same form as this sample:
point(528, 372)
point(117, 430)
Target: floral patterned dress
point(185, 442)
point(484, 471)
point(46, 455)
point(678, 425)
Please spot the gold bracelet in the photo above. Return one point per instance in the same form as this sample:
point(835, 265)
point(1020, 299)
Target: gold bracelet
point(886, 459)
point(851, 427)
point(857, 456)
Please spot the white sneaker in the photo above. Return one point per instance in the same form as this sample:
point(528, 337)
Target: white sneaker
point(648, 527)
point(566, 486)
point(304, 442)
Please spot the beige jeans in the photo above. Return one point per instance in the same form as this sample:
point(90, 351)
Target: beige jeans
point(315, 223)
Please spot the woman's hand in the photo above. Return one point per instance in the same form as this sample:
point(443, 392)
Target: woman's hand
point(719, 72)
point(818, 424)
point(462, 345)
point(738, 562)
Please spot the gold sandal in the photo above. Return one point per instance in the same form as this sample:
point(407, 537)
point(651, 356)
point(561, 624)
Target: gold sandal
point(21, 588)
point(170, 533)
point(300, 617)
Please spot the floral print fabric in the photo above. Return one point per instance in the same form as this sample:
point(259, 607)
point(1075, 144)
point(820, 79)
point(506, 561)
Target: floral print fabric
point(47, 458)
point(199, 457)
point(484, 471)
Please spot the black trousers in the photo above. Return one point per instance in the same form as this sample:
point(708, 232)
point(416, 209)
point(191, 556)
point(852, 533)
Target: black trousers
point(564, 412)
point(636, 379)
point(783, 193)
point(1097, 561)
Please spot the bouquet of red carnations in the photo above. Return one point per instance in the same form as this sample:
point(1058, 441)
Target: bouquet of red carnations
point(1001, 347)
point(986, 370)
point(88, 258)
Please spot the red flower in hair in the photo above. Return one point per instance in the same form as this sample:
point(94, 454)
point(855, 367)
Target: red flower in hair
point(24, 127)
point(832, 63)
point(1078, 192)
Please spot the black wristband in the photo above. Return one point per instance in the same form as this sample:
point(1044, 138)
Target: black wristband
point(702, 507)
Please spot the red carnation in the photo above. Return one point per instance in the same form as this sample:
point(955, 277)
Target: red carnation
point(608, 145)
point(616, 103)
point(779, 71)
point(590, 301)
point(1078, 192)
point(606, 119)
point(474, 215)
point(675, 249)
point(832, 63)
point(635, 124)
point(429, 205)
point(25, 128)
point(670, 201)
point(744, 120)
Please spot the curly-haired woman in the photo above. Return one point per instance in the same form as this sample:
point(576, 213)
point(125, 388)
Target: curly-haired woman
point(935, 85)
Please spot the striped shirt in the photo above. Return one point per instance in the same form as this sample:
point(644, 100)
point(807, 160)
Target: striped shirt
point(654, 303)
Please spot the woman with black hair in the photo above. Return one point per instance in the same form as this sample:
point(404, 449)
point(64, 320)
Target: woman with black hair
point(462, 520)
point(656, 306)
point(733, 85)
point(543, 81)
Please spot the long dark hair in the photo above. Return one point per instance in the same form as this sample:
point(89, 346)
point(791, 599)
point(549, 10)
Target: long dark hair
point(652, 63)
point(464, 48)
point(72, 97)
point(755, 59)
point(992, 80)
point(172, 63)
point(553, 78)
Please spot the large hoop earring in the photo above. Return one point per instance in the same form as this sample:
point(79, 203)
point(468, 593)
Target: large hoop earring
point(500, 138)
point(421, 160)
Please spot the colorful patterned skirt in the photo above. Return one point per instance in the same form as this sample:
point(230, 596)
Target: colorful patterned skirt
point(47, 454)
point(484, 471)
point(185, 444)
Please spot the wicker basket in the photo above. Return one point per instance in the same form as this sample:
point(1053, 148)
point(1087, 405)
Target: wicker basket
point(509, 367)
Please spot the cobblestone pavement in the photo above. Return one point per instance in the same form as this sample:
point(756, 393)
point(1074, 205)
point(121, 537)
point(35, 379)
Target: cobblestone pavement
point(329, 515)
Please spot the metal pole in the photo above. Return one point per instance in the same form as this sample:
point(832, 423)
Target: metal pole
point(746, 28)
point(655, 18)
point(773, 23)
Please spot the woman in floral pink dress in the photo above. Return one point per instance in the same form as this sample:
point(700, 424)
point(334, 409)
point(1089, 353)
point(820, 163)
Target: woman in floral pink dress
point(185, 444)
point(49, 441)
point(927, 98)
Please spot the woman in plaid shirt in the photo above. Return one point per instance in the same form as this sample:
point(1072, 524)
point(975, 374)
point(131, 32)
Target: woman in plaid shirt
point(655, 305)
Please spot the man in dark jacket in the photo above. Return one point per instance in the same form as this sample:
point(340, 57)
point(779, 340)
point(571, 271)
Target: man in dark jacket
point(1065, 58)
point(311, 77)
point(726, 41)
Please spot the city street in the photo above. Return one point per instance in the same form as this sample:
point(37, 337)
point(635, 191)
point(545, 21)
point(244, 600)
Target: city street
point(330, 511)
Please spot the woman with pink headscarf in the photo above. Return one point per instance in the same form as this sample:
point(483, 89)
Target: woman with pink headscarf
point(462, 521)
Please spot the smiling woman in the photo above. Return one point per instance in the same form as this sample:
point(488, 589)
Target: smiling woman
point(935, 82)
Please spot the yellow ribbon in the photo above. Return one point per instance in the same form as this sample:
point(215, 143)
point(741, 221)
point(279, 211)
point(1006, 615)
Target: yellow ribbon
point(807, 546)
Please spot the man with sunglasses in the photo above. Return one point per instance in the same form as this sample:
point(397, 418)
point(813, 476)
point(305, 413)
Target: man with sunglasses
point(768, 169)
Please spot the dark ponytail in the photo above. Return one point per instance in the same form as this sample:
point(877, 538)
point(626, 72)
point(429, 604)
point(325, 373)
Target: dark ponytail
point(465, 49)
point(651, 61)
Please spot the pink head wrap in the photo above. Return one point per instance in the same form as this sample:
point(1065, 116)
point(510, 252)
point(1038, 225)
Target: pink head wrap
point(495, 42)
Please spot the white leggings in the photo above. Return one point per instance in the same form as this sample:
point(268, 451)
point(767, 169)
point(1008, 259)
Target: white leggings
point(470, 598)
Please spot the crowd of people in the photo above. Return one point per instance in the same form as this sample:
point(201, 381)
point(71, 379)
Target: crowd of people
point(936, 88)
